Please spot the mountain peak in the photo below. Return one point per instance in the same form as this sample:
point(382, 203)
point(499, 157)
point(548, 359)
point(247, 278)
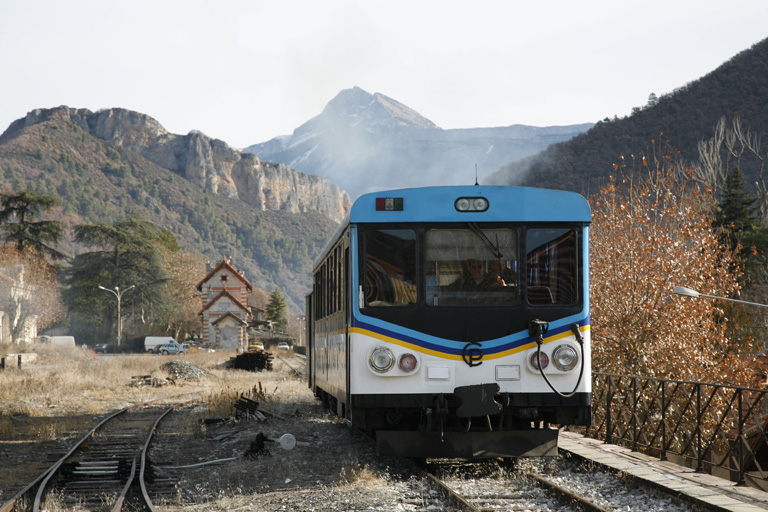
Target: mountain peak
point(373, 110)
point(366, 142)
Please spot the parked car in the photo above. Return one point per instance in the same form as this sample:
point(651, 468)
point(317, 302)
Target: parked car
point(172, 348)
point(152, 343)
point(101, 348)
point(256, 345)
point(283, 345)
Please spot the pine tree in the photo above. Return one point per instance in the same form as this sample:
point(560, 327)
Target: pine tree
point(737, 208)
point(128, 252)
point(741, 231)
point(23, 207)
point(276, 310)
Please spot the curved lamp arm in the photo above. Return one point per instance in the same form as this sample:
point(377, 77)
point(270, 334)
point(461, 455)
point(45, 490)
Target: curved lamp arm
point(687, 292)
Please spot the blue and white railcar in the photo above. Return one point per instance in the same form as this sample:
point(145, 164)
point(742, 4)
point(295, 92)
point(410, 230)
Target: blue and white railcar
point(454, 321)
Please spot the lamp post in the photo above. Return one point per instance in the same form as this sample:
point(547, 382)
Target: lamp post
point(680, 290)
point(118, 295)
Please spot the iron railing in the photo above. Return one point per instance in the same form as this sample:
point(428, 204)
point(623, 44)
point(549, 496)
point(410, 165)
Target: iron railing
point(713, 428)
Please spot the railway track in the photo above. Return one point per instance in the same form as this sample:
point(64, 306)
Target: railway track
point(476, 487)
point(490, 486)
point(297, 372)
point(108, 469)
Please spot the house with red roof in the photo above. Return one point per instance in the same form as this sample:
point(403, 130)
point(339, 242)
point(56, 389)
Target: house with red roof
point(225, 313)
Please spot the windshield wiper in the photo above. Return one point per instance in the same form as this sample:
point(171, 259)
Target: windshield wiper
point(482, 236)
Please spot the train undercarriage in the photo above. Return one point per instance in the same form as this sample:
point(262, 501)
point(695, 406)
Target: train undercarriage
point(472, 422)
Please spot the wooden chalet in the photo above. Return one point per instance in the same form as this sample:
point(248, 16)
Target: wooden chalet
point(225, 313)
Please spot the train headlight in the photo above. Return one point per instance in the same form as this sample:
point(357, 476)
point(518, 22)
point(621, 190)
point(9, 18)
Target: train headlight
point(480, 204)
point(382, 360)
point(565, 358)
point(471, 204)
point(539, 356)
point(408, 362)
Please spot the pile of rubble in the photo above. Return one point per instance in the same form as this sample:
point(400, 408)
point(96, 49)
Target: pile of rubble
point(184, 370)
point(247, 408)
point(148, 380)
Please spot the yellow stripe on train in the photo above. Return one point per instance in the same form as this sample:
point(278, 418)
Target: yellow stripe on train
point(457, 357)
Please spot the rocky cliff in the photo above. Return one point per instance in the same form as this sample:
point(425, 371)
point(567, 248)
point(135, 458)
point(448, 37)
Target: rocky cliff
point(210, 163)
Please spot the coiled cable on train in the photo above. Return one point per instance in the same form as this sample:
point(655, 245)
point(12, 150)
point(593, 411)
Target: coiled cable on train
point(538, 328)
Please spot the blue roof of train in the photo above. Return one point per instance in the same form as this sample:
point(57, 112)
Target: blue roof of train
point(437, 204)
point(506, 204)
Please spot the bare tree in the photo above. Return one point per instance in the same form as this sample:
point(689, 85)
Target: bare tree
point(29, 292)
point(651, 231)
point(186, 269)
point(729, 147)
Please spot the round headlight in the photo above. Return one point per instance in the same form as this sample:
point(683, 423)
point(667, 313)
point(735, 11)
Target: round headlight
point(382, 360)
point(535, 360)
point(565, 358)
point(462, 204)
point(481, 204)
point(407, 362)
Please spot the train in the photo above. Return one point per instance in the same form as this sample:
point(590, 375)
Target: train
point(453, 321)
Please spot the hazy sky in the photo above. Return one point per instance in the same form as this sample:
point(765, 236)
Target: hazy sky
point(245, 71)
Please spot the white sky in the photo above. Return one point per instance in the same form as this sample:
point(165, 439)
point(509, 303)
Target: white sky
point(245, 71)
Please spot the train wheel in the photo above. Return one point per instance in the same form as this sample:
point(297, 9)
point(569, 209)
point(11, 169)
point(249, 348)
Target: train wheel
point(508, 463)
point(325, 399)
point(419, 462)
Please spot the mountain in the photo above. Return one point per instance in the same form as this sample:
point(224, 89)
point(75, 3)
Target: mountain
point(366, 142)
point(103, 166)
point(682, 119)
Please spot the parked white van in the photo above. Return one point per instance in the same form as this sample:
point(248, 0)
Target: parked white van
point(61, 341)
point(152, 342)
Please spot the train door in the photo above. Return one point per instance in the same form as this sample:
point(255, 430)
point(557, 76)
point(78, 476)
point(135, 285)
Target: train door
point(309, 329)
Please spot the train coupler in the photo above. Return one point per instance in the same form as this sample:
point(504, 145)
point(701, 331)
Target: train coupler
point(477, 400)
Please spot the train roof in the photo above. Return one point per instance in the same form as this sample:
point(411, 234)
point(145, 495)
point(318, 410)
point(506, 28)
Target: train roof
point(438, 204)
point(505, 204)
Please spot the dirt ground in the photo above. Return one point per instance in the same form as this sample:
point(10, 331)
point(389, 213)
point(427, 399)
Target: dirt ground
point(218, 461)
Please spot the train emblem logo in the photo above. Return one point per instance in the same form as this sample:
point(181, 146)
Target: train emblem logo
point(471, 354)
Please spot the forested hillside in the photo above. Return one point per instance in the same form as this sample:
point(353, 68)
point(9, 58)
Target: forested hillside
point(95, 180)
point(683, 118)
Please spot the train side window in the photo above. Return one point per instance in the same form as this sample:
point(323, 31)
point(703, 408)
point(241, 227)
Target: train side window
point(339, 280)
point(324, 293)
point(390, 267)
point(551, 266)
point(332, 283)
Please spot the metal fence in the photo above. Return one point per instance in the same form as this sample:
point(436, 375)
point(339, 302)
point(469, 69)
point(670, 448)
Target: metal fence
point(713, 428)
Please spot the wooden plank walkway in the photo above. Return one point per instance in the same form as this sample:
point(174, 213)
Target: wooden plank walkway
point(701, 489)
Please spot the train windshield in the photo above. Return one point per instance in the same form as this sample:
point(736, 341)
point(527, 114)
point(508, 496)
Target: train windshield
point(471, 266)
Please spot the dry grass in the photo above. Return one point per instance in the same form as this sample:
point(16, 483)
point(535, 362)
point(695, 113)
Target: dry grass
point(75, 382)
point(354, 473)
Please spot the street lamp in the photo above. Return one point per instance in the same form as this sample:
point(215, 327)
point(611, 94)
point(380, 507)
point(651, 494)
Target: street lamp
point(680, 290)
point(119, 295)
